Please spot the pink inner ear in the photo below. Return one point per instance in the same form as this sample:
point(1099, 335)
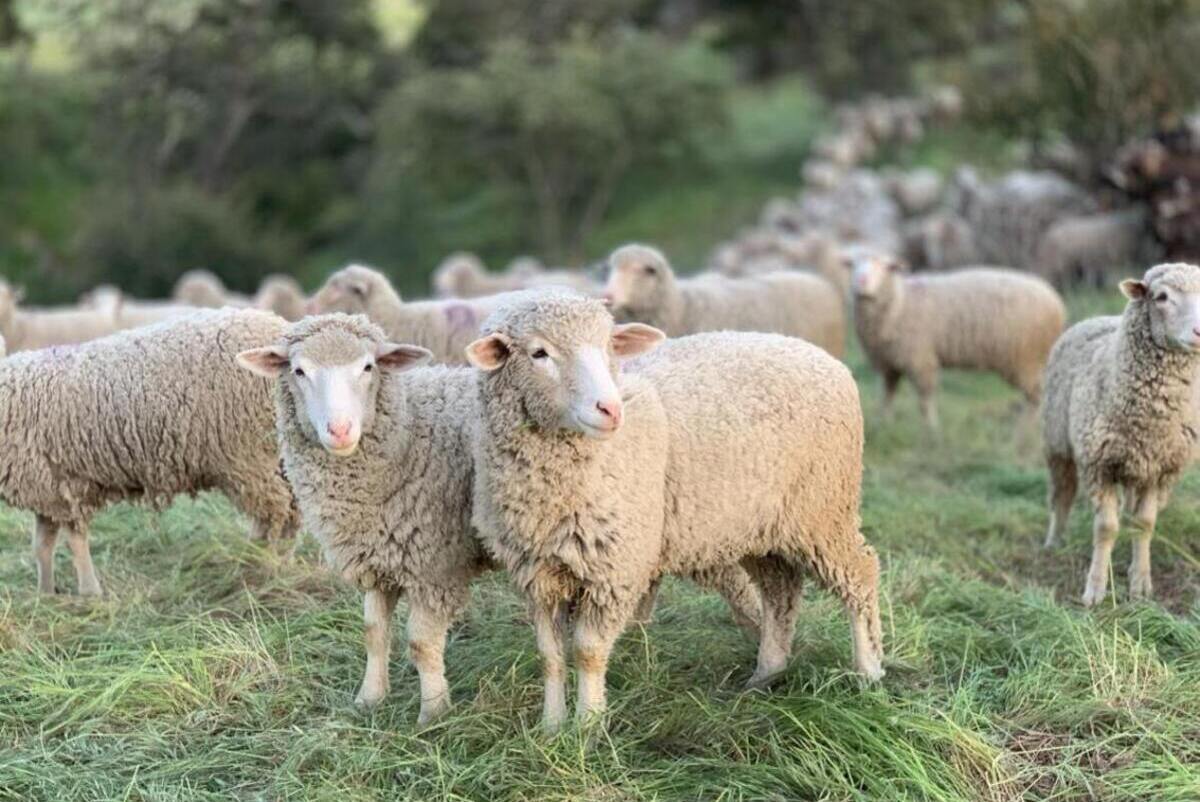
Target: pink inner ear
point(460, 316)
point(488, 353)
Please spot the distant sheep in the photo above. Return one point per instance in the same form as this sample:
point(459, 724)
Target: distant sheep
point(202, 288)
point(443, 327)
point(144, 414)
point(1120, 415)
point(1088, 248)
point(31, 328)
point(989, 319)
point(282, 295)
point(129, 313)
point(642, 287)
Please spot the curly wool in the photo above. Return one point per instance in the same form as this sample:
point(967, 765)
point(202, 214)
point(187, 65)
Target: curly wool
point(765, 459)
point(143, 414)
point(978, 318)
point(395, 515)
point(444, 327)
point(794, 303)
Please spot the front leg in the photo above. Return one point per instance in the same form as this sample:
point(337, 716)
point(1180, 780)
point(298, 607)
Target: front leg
point(1104, 535)
point(1145, 514)
point(595, 633)
point(427, 628)
point(546, 624)
point(378, 606)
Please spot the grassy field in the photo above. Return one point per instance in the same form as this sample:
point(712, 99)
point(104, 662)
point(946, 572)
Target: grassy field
point(216, 670)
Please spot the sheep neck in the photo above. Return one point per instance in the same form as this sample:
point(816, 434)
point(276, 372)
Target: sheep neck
point(1149, 379)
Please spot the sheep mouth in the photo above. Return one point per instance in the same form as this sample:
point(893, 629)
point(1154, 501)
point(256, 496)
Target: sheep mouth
point(596, 431)
point(341, 451)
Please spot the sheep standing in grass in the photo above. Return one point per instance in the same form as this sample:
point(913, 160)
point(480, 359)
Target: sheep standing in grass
point(144, 414)
point(1120, 414)
point(762, 469)
point(642, 287)
point(988, 319)
point(443, 327)
point(28, 329)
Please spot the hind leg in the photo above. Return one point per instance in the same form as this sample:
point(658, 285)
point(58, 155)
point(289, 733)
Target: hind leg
point(643, 614)
point(926, 381)
point(781, 583)
point(1145, 513)
point(1104, 535)
point(81, 555)
point(854, 578)
point(45, 536)
point(1064, 483)
point(891, 381)
point(739, 591)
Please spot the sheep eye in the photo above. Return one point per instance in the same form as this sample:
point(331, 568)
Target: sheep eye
point(367, 368)
point(649, 269)
point(540, 354)
point(1161, 297)
point(298, 372)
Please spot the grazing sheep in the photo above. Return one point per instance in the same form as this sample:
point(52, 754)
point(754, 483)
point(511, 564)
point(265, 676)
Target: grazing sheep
point(1086, 248)
point(144, 414)
point(443, 327)
point(979, 318)
point(282, 295)
point(28, 329)
point(642, 287)
point(382, 469)
point(204, 289)
point(1119, 414)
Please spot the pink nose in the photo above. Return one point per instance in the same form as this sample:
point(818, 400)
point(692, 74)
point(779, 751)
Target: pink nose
point(339, 430)
point(610, 410)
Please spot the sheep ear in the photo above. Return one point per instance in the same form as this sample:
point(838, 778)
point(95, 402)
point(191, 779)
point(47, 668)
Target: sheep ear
point(632, 339)
point(1133, 289)
point(393, 356)
point(269, 361)
point(490, 352)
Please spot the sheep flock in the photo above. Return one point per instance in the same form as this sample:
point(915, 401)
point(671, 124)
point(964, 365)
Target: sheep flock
point(591, 430)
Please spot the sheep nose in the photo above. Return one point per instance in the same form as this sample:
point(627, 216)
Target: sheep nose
point(611, 410)
point(1196, 330)
point(340, 430)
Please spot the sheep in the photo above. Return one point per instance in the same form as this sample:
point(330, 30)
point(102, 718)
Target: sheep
point(463, 275)
point(1084, 248)
point(916, 191)
point(858, 209)
point(204, 289)
point(378, 451)
point(282, 295)
point(128, 313)
point(143, 414)
point(444, 327)
point(28, 329)
point(1119, 415)
point(978, 318)
point(642, 287)
point(570, 476)
point(939, 241)
point(3, 347)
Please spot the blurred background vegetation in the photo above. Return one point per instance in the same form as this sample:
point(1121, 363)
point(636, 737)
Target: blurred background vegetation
point(142, 138)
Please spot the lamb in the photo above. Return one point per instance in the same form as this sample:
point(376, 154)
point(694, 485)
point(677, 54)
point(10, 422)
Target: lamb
point(202, 288)
point(642, 287)
point(1119, 415)
point(126, 417)
point(444, 327)
point(978, 318)
point(282, 295)
point(28, 329)
point(570, 478)
point(378, 451)
point(1086, 247)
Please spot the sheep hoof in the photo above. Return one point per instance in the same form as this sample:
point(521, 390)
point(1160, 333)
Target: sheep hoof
point(1092, 596)
point(1140, 586)
point(91, 591)
point(369, 698)
point(432, 711)
point(762, 681)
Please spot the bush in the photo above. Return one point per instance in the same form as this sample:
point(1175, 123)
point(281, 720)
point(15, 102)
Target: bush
point(144, 241)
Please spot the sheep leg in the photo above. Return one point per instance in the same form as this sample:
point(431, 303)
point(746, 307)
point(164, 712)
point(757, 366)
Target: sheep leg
point(926, 383)
point(45, 536)
point(1104, 535)
point(547, 619)
point(378, 606)
point(1064, 483)
point(644, 613)
point(595, 633)
point(427, 628)
point(1144, 516)
point(891, 382)
point(739, 591)
point(81, 555)
point(781, 584)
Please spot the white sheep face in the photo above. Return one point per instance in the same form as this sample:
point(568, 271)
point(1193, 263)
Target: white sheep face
point(349, 291)
point(1172, 296)
point(637, 281)
point(566, 381)
point(870, 272)
point(333, 378)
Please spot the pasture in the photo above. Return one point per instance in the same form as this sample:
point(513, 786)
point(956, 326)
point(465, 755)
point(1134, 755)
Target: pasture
point(218, 669)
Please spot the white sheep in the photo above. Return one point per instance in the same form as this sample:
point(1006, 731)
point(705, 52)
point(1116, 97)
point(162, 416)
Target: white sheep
point(282, 295)
point(29, 328)
point(129, 313)
point(642, 287)
point(204, 289)
point(143, 414)
point(916, 191)
point(990, 319)
point(1120, 415)
point(1087, 247)
point(761, 445)
point(444, 327)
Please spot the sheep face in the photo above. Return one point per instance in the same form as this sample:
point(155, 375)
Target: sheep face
point(1169, 296)
point(639, 280)
point(559, 356)
point(353, 290)
point(871, 272)
point(333, 378)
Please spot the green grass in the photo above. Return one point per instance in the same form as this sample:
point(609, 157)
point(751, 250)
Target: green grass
point(216, 669)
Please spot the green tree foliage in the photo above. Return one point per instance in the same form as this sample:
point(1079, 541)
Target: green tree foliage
point(555, 130)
